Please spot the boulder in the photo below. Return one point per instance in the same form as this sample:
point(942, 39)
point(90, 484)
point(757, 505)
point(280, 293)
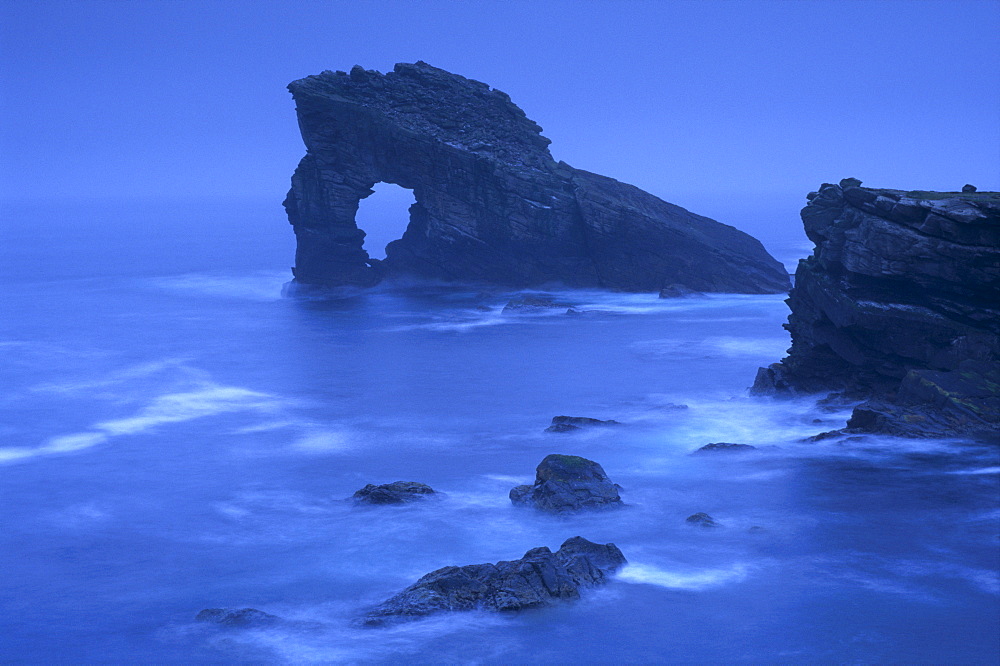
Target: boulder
point(492, 205)
point(538, 579)
point(968, 189)
point(568, 483)
point(237, 617)
point(398, 492)
point(898, 309)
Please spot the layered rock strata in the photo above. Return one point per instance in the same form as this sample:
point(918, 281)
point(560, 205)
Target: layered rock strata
point(538, 579)
point(899, 305)
point(492, 205)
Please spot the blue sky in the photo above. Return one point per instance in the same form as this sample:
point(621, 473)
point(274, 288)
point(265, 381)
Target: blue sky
point(723, 107)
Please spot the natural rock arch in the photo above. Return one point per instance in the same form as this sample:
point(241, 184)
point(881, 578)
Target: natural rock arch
point(491, 203)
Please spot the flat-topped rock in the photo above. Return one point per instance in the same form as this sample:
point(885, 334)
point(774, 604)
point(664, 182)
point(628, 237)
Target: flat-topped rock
point(899, 306)
point(398, 492)
point(237, 617)
point(538, 579)
point(492, 205)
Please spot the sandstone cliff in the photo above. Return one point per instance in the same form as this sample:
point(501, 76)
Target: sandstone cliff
point(899, 304)
point(491, 203)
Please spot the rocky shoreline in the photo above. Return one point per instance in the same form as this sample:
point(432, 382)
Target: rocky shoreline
point(898, 308)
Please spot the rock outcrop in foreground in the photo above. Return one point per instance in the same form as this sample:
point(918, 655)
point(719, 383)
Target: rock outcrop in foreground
point(492, 205)
point(568, 483)
point(899, 305)
point(538, 579)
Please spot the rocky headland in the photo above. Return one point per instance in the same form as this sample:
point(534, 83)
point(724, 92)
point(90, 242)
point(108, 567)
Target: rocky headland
point(492, 205)
point(899, 307)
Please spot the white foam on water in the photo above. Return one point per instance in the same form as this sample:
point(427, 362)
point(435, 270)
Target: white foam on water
point(976, 470)
point(681, 579)
point(128, 374)
point(178, 407)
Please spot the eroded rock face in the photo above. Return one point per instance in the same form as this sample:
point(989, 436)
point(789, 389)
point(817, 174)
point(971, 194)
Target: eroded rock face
point(568, 483)
point(899, 305)
point(491, 203)
point(538, 579)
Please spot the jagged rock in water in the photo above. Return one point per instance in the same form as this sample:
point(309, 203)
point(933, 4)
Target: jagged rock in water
point(576, 423)
point(237, 617)
point(899, 305)
point(492, 205)
point(398, 492)
point(568, 483)
point(538, 579)
point(701, 519)
point(724, 447)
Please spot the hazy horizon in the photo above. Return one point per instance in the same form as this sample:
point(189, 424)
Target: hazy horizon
point(732, 110)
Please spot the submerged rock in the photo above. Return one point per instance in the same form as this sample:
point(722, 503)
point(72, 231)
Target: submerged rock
point(701, 519)
point(538, 579)
point(725, 447)
point(678, 291)
point(237, 617)
point(398, 492)
point(574, 423)
point(568, 483)
point(492, 205)
point(899, 307)
point(532, 303)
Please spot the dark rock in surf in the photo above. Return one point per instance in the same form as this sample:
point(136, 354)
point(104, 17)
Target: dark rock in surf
point(829, 434)
point(237, 617)
point(538, 579)
point(898, 307)
point(492, 205)
point(568, 483)
point(724, 447)
point(531, 303)
point(398, 492)
point(701, 519)
point(574, 423)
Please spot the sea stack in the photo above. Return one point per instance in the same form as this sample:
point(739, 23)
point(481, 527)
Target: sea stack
point(492, 205)
point(899, 305)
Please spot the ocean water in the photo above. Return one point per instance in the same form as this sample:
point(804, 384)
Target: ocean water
point(176, 435)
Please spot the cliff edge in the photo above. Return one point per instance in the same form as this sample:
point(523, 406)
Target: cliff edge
point(491, 203)
point(899, 305)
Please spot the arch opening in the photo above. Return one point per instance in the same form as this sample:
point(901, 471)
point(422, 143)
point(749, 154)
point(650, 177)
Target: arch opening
point(384, 216)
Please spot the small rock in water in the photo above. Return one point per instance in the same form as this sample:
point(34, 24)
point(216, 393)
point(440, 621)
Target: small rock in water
point(568, 483)
point(398, 492)
point(237, 617)
point(725, 447)
point(702, 519)
point(823, 435)
point(572, 423)
point(678, 291)
point(538, 579)
point(529, 303)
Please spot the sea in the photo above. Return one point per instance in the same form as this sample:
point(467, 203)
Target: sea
point(176, 434)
